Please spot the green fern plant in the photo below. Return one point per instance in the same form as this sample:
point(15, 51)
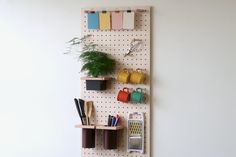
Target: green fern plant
point(96, 63)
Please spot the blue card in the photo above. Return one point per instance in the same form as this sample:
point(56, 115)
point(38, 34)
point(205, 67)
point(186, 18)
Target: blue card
point(93, 20)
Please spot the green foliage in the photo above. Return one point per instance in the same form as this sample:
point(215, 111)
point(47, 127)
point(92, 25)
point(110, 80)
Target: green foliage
point(96, 63)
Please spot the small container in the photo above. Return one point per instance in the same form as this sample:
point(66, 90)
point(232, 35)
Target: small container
point(88, 138)
point(88, 135)
point(96, 83)
point(110, 134)
point(110, 139)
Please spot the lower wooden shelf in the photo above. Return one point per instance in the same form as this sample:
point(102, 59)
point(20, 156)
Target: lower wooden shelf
point(109, 135)
point(85, 126)
point(104, 127)
point(100, 127)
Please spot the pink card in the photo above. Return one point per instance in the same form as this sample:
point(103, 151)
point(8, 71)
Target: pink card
point(117, 20)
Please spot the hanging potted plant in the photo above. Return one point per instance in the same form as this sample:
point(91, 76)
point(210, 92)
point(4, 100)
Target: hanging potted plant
point(96, 64)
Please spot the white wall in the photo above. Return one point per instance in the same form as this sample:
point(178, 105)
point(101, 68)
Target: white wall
point(193, 77)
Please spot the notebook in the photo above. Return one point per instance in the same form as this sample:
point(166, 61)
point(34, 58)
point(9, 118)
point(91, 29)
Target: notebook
point(117, 20)
point(128, 20)
point(93, 20)
point(105, 20)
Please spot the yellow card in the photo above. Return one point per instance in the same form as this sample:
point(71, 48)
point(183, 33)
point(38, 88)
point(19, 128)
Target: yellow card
point(105, 20)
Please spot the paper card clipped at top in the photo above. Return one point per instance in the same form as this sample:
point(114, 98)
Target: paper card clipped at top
point(117, 20)
point(105, 20)
point(128, 20)
point(93, 20)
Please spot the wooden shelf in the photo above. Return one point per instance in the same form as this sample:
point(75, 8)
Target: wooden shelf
point(99, 127)
point(102, 127)
point(85, 126)
point(96, 78)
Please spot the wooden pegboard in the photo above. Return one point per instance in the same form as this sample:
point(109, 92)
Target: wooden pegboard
point(117, 43)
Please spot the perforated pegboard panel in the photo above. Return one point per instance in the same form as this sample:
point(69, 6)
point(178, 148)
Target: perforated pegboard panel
point(117, 43)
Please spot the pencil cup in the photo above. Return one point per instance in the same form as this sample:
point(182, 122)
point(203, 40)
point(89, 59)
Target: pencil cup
point(88, 138)
point(110, 139)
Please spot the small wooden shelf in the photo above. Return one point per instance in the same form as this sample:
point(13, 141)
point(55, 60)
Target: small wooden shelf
point(96, 78)
point(102, 127)
point(99, 127)
point(85, 126)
